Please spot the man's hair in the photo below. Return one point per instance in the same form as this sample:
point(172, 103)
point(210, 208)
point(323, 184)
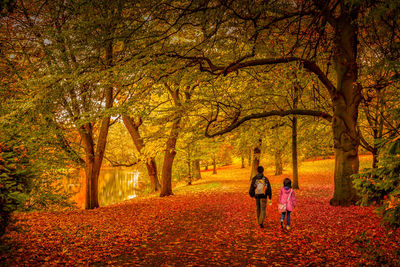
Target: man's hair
point(260, 169)
point(287, 182)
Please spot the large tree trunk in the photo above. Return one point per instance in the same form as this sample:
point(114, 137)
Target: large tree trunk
point(91, 199)
point(94, 156)
point(133, 129)
point(256, 158)
point(170, 151)
point(346, 100)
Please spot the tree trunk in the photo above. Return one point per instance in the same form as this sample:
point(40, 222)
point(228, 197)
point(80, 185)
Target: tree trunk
point(206, 167)
point(294, 154)
point(375, 157)
point(153, 175)
point(242, 167)
point(294, 141)
point(196, 169)
point(170, 152)
point(93, 161)
point(133, 129)
point(249, 158)
point(346, 100)
point(278, 163)
point(189, 165)
point(256, 159)
point(91, 200)
point(214, 165)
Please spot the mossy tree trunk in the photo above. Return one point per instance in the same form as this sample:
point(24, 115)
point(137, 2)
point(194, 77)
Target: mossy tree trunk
point(346, 100)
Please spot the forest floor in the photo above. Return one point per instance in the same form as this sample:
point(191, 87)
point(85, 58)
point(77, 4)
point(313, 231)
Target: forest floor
point(211, 222)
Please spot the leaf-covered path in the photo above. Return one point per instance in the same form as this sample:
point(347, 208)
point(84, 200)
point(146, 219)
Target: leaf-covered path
point(209, 223)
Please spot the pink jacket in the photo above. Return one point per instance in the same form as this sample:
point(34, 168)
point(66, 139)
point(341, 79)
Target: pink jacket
point(283, 196)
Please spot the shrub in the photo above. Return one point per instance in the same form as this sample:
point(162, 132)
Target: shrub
point(15, 181)
point(381, 185)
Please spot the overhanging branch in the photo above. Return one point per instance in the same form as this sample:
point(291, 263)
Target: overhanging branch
point(281, 113)
point(207, 66)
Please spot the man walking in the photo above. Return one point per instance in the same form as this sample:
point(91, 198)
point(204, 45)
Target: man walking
point(262, 189)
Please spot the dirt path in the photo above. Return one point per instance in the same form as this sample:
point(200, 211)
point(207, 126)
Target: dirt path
point(209, 223)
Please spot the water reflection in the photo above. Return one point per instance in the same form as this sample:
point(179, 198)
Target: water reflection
point(117, 184)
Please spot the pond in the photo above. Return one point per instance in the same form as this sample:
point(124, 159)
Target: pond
point(115, 185)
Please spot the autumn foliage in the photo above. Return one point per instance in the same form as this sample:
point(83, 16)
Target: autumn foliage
point(211, 222)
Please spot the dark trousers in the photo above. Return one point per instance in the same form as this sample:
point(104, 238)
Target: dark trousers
point(261, 212)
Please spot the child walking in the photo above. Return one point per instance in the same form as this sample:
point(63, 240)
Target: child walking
point(287, 198)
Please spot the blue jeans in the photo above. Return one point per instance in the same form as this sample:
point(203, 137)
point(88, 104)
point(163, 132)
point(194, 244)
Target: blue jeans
point(288, 217)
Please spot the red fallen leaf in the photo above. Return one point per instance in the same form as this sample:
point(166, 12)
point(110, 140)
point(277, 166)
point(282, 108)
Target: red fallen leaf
point(203, 228)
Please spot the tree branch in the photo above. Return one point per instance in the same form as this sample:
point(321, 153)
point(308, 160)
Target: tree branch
point(281, 113)
point(118, 164)
point(364, 142)
point(207, 65)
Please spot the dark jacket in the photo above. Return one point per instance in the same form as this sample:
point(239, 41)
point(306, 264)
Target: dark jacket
point(268, 192)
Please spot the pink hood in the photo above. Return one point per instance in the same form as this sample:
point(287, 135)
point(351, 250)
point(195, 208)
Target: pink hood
point(283, 196)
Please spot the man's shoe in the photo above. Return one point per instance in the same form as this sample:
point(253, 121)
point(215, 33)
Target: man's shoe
point(261, 226)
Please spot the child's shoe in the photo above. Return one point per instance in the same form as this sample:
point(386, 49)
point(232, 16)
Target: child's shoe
point(287, 227)
point(281, 224)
